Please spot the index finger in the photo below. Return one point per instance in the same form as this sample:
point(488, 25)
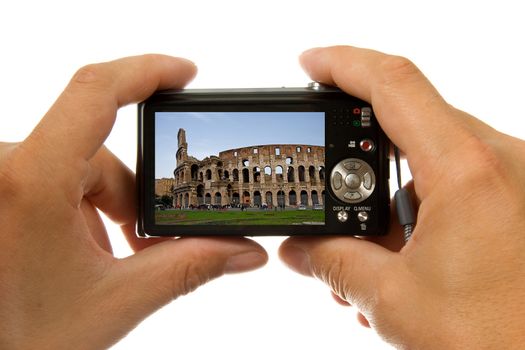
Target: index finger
point(82, 117)
point(408, 107)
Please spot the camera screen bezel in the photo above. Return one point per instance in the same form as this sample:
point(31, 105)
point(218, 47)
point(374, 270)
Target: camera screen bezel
point(256, 100)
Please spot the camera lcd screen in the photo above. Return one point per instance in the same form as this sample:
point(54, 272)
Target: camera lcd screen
point(239, 168)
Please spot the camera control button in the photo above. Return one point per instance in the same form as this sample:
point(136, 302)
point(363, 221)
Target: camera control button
point(337, 180)
point(362, 216)
point(352, 181)
point(352, 165)
point(366, 112)
point(314, 86)
point(352, 196)
point(367, 145)
point(342, 216)
point(367, 181)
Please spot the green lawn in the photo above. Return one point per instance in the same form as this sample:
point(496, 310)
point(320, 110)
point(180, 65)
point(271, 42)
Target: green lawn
point(232, 217)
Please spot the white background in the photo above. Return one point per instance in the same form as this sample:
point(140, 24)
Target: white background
point(473, 51)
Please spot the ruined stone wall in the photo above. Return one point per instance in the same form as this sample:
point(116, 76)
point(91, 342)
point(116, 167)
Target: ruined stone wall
point(272, 175)
point(164, 186)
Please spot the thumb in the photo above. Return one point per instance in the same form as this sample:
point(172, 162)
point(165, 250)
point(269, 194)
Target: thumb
point(356, 270)
point(144, 282)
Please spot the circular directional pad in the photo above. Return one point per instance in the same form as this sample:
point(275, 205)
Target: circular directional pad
point(352, 180)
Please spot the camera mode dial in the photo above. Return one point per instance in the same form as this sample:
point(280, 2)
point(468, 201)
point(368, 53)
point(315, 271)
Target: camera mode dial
point(352, 180)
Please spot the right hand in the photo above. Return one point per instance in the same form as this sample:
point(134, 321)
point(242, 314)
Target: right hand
point(459, 282)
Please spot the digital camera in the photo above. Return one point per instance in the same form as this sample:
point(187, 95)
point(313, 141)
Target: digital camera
point(285, 161)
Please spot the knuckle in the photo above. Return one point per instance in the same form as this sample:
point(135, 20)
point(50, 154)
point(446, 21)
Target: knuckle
point(190, 275)
point(397, 69)
point(385, 296)
point(339, 276)
point(334, 274)
point(94, 83)
point(92, 77)
point(12, 175)
point(90, 73)
point(482, 165)
point(8, 182)
point(389, 288)
point(343, 275)
point(189, 279)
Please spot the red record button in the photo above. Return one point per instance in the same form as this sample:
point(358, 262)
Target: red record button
point(367, 145)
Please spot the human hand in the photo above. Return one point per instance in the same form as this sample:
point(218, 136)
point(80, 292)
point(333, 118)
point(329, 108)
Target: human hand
point(458, 282)
point(60, 286)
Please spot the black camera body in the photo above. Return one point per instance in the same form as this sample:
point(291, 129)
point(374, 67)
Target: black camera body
point(250, 162)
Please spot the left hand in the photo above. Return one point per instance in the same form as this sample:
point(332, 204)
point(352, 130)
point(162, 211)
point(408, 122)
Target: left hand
point(60, 286)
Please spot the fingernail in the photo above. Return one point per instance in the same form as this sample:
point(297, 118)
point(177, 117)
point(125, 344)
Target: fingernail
point(245, 262)
point(297, 259)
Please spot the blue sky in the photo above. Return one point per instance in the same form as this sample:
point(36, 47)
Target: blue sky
point(209, 133)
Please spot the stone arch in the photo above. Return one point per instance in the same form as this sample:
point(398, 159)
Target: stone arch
point(226, 175)
point(292, 197)
point(291, 174)
point(194, 172)
point(186, 200)
point(201, 176)
point(235, 175)
point(246, 197)
point(235, 198)
point(311, 173)
point(218, 198)
point(304, 197)
point(323, 195)
point(245, 175)
point(315, 198)
point(301, 173)
point(200, 194)
point(280, 199)
point(256, 174)
point(207, 198)
point(257, 199)
point(267, 174)
point(289, 160)
point(269, 198)
point(208, 174)
point(279, 173)
point(321, 174)
point(245, 163)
